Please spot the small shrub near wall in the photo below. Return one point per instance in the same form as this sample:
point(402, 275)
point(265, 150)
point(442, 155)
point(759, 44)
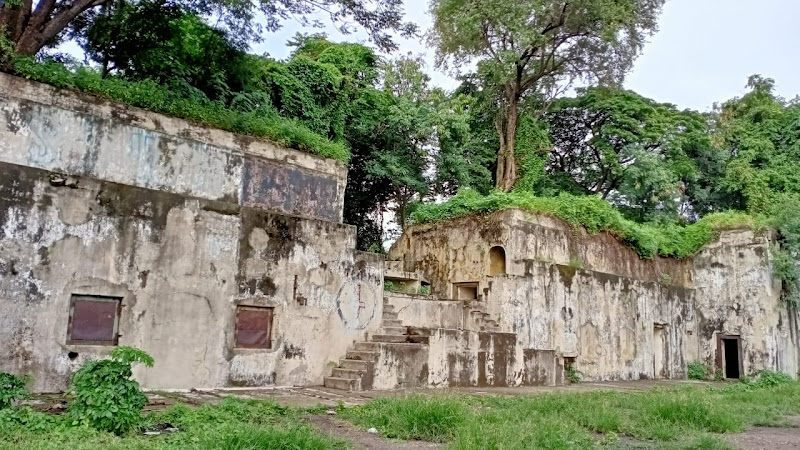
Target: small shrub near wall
point(104, 394)
point(698, 370)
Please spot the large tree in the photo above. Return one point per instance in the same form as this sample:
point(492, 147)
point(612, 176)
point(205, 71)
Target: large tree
point(529, 50)
point(634, 152)
point(33, 25)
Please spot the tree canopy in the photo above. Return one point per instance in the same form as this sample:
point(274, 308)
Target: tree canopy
point(527, 52)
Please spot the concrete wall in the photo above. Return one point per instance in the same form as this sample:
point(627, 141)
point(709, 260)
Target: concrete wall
point(590, 297)
point(77, 134)
point(181, 265)
point(183, 223)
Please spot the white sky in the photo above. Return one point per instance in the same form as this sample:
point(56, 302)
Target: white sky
point(703, 53)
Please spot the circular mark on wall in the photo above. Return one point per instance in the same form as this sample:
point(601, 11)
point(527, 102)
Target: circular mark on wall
point(356, 304)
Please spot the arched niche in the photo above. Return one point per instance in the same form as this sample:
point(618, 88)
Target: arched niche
point(497, 261)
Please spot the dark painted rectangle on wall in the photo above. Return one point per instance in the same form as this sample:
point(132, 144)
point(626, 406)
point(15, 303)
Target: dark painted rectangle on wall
point(290, 190)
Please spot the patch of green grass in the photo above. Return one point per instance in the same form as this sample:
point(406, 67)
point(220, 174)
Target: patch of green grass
point(230, 425)
point(414, 417)
point(595, 215)
point(686, 417)
point(152, 96)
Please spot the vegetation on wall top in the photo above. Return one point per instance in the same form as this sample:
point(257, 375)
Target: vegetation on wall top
point(595, 215)
point(148, 94)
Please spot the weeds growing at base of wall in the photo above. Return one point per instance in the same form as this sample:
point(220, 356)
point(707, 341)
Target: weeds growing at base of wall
point(573, 375)
point(595, 215)
point(264, 123)
point(681, 417)
point(12, 389)
point(697, 370)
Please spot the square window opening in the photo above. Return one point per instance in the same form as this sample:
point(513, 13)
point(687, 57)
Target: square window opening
point(465, 291)
point(94, 320)
point(253, 327)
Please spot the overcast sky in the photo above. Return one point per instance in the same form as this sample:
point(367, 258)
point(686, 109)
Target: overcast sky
point(703, 52)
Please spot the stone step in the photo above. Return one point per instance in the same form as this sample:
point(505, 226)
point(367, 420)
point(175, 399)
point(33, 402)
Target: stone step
point(388, 338)
point(392, 323)
point(395, 330)
point(366, 346)
point(388, 308)
point(345, 384)
point(354, 364)
point(350, 374)
point(418, 331)
point(389, 315)
point(400, 339)
point(363, 356)
point(415, 339)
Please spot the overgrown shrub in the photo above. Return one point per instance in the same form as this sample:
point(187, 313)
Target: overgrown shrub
point(104, 395)
point(12, 388)
point(698, 370)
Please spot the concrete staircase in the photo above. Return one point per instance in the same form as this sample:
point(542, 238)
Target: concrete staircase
point(480, 318)
point(356, 370)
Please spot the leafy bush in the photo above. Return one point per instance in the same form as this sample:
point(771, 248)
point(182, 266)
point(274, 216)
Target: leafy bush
point(766, 379)
point(698, 370)
point(148, 94)
point(595, 215)
point(12, 388)
point(104, 394)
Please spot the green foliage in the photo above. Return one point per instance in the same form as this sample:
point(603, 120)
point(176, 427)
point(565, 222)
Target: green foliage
point(698, 370)
point(573, 375)
point(104, 395)
point(639, 154)
point(150, 95)
point(526, 50)
point(595, 215)
point(12, 388)
point(760, 380)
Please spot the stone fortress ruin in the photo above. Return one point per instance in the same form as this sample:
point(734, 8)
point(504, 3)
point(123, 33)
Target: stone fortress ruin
point(226, 259)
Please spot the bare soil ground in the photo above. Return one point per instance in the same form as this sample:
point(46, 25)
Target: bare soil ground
point(769, 438)
point(361, 439)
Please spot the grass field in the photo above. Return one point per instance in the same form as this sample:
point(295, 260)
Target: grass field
point(689, 417)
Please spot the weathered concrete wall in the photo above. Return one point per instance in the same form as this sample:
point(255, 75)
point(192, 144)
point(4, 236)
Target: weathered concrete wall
point(82, 135)
point(457, 251)
point(590, 297)
point(737, 295)
point(181, 266)
point(428, 312)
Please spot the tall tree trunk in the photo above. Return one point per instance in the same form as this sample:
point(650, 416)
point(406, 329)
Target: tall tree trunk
point(507, 130)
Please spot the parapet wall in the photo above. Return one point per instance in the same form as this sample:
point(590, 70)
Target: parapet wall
point(82, 135)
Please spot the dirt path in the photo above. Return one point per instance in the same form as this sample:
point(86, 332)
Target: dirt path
point(361, 439)
point(770, 438)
